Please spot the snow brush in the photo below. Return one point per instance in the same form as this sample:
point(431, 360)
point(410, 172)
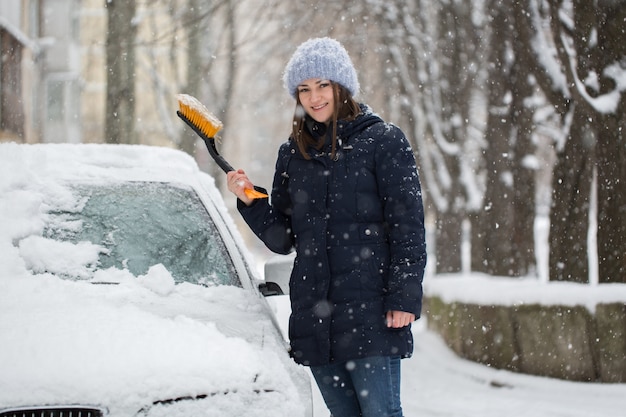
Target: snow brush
point(206, 125)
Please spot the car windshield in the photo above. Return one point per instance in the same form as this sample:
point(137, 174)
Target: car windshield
point(142, 224)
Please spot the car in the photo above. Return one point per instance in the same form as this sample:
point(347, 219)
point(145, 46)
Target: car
point(126, 290)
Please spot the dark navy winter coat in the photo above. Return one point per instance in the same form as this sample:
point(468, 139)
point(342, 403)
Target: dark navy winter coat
point(357, 224)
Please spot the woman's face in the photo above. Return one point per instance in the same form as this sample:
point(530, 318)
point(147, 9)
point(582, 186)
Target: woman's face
point(317, 99)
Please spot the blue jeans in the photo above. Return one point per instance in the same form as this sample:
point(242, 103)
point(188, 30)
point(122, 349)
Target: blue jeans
point(368, 387)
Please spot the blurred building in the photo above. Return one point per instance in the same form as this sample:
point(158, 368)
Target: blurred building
point(53, 75)
point(40, 71)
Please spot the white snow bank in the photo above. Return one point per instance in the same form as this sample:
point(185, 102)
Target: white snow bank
point(483, 289)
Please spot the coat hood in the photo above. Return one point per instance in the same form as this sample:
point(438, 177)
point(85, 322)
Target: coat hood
point(346, 129)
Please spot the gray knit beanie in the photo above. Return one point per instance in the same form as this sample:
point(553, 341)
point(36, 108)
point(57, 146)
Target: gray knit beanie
point(323, 58)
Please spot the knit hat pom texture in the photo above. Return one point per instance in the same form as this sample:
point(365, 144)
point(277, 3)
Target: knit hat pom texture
point(323, 58)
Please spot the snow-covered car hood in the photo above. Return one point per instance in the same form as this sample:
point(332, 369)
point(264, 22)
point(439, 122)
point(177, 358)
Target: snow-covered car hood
point(126, 344)
point(135, 343)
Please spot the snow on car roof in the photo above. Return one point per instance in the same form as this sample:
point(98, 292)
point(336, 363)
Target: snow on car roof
point(97, 161)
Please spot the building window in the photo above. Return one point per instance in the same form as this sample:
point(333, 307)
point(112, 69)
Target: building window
point(56, 100)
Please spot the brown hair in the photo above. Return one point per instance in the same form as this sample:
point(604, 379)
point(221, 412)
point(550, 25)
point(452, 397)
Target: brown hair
point(345, 108)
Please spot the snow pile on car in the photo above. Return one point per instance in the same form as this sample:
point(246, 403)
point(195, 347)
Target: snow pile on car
point(141, 343)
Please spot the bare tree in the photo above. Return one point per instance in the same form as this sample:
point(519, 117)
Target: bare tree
point(586, 42)
point(413, 73)
point(199, 47)
point(609, 57)
point(503, 243)
point(120, 60)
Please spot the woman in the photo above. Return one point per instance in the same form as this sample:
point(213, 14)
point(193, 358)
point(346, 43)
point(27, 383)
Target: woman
point(346, 195)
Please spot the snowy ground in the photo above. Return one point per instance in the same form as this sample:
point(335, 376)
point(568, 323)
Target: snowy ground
point(437, 383)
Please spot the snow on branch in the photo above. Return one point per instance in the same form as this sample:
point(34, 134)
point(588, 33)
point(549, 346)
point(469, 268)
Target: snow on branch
point(545, 49)
point(605, 103)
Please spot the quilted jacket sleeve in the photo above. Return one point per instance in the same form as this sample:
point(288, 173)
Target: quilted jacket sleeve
point(401, 195)
point(271, 222)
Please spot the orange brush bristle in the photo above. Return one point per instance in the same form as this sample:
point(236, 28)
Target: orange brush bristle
point(206, 126)
point(197, 114)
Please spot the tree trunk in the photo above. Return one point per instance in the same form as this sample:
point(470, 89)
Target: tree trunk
point(524, 177)
point(494, 256)
point(523, 261)
point(611, 169)
point(611, 146)
point(188, 139)
point(503, 241)
point(458, 42)
point(120, 51)
point(12, 119)
point(448, 242)
point(569, 218)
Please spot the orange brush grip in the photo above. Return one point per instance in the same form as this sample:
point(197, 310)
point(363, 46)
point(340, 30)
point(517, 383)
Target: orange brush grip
point(254, 194)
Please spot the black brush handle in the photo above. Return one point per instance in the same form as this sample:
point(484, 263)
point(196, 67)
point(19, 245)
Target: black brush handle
point(210, 145)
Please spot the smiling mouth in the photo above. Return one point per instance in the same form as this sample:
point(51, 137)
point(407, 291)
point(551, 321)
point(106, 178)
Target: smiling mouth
point(319, 107)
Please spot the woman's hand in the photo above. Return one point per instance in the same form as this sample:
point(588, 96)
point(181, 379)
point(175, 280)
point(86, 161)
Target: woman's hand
point(398, 319)
point(237, 182)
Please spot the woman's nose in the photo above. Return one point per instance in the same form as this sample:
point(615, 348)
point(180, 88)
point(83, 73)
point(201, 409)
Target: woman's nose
point(314, 95)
